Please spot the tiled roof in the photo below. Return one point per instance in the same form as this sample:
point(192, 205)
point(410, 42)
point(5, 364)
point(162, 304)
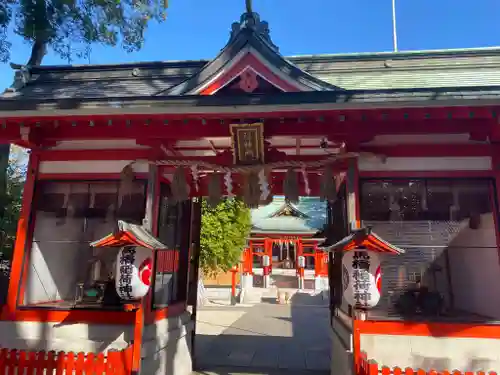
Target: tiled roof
point(394, 98)
point(427, 69)
point(312, 207)
point(129, 234)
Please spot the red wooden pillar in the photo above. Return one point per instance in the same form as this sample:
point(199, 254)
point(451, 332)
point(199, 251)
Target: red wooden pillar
point(317, 261)
point(268, 250)
point(300, 248)
point(23, 238)
point(247, 261)
point(356, 345)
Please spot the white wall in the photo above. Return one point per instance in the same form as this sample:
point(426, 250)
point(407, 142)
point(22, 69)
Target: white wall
point(439, 353)
point(90, 166)
point(53, 265)
point(60, 253)
point(75, 337)
point(468, 163)
point(475, 269)
point(166, 347)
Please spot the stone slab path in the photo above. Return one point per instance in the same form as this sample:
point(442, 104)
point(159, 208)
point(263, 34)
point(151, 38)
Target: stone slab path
point(265, 338)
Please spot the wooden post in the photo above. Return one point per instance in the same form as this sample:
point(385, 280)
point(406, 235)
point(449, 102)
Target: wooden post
point(195, 266)
point(372, 368)
point(22, 237)
point(145, 306)
point(356, 346)
point(233, 285)
point(318, 257)
point(352, 187)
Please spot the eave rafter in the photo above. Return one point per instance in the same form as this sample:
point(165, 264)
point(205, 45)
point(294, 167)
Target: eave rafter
point(160, 132)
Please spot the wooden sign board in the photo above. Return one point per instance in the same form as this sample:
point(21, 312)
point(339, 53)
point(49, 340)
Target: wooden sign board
point(248, 143)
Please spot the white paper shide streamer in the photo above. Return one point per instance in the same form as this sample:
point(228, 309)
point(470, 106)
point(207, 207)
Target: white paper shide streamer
point(264, 185)
point(306, 182)
point(228, 182)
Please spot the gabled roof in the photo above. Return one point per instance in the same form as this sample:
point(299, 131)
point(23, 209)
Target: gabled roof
point(285, 225)
point(249, 46)
point(370, 78)
point(363, 238)
point(288, 210)
point(310, 216)
point(127, 234)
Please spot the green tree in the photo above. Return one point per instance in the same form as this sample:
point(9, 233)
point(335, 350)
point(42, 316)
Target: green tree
point(70, 27)
point(224, 231)
point(11, 200)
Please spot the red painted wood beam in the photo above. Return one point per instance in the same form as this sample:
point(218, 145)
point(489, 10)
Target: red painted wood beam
point(428, 150)
point(365, 114)
point(337, 131)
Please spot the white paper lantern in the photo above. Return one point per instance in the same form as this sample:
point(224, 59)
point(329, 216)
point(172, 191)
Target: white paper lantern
point(133, 272)
point(361, 278)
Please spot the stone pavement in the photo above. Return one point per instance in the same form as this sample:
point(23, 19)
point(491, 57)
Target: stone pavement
point(266, 336)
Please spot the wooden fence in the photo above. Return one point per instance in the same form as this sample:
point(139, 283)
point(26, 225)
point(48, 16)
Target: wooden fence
point(20, 362)
point(364, 366)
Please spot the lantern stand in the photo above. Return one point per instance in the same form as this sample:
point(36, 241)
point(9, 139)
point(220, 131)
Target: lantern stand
point(359, 254)
point(266, 265)
point(133, 275)
point(301, 260)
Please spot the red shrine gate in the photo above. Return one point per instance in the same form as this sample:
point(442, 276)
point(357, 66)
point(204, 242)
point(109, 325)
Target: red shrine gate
point(265, 247)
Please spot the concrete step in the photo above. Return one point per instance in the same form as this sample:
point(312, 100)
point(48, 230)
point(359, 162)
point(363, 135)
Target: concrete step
point(253, 295)
point(219, 294)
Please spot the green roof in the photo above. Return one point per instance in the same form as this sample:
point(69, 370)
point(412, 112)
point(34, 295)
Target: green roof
point(314, 217)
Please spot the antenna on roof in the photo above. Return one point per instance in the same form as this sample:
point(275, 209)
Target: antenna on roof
point(394, 29)
point(248, 5)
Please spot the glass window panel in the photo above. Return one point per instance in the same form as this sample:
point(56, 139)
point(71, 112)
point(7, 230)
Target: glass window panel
point(438, 222)
point(67, 217)
point(173, 231)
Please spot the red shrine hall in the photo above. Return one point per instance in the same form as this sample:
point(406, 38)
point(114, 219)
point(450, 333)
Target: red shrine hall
point(402, 143)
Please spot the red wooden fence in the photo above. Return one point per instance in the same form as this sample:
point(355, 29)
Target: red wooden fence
point(370, 367)
point(20, 362)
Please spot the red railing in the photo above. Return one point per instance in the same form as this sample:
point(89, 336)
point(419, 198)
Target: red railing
point(364, 366)
point(13, 361)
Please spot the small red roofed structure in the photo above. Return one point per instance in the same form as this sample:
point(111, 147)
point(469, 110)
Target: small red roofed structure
point(363, 238)
point(127, 234)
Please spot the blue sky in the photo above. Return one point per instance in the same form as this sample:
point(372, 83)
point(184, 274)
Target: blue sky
point(197, 29)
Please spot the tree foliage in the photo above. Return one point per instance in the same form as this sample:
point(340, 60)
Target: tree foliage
point(70, 27)
point(11, 201)
point(224, 230)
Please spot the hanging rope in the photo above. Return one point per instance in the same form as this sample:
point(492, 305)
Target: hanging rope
point(328, 187)
point(291, 186)
point(179, 186)
point(251, 190)
point(256, 168)
point(214, 190)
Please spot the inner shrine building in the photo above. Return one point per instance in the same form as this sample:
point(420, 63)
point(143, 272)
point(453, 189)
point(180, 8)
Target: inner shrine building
point(285, 232)
point(107, 247)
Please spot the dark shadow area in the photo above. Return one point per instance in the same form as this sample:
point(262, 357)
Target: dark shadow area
point(4, 279)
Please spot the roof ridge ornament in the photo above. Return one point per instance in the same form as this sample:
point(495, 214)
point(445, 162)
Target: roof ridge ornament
point(251, 20)
point(22, 75)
